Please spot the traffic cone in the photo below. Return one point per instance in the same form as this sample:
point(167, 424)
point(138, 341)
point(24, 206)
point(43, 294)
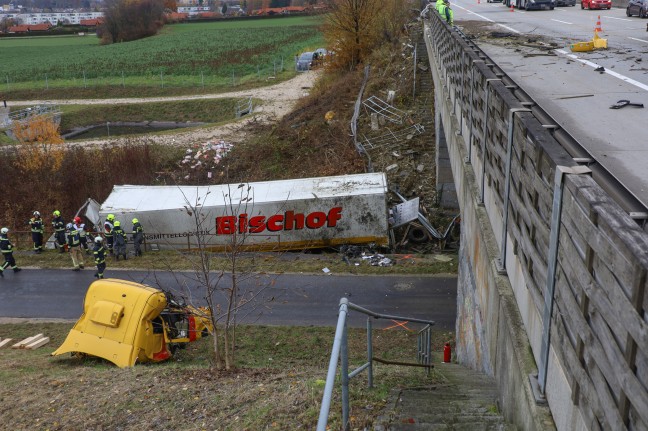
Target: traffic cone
point(598, 24)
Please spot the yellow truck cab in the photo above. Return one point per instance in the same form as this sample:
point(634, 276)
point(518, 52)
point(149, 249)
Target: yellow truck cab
point(126, 322)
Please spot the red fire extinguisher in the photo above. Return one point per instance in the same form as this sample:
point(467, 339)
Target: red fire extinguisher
point(447, 353)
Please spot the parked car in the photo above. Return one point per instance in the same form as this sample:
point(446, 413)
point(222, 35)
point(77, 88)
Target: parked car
point(532, 4)
point(565, 2)
point(637, 7)
point(596, 4)
point(304, 62)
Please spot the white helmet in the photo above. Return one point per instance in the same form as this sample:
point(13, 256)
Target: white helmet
point(36, 214)
point(98, 240)
point(4, 230)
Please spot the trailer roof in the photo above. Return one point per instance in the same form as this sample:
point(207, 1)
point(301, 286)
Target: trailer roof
point(154, 198)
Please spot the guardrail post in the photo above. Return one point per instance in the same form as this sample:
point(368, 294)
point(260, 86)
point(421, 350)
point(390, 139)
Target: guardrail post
point(344, 375)
point(552, 262)
point(472, 101)
point(463, 79)
point(484, 137)
point(369, 353)
point(501, 262)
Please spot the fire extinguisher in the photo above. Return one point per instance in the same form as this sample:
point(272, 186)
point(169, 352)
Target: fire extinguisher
point(447, 353)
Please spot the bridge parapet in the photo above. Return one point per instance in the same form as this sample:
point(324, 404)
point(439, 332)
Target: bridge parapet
point(553, 268)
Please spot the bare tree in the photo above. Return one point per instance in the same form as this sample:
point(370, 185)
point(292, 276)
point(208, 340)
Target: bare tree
point(227, 291)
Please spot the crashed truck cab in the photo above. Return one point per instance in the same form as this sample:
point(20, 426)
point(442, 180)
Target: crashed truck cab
point(125, 322)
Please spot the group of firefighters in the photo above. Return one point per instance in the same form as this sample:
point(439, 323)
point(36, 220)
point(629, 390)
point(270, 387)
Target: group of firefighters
point(73, 238)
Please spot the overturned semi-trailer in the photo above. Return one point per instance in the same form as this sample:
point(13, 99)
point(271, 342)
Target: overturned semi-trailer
point(272, 215)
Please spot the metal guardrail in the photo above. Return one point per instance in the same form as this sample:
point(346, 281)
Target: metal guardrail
point(48, 109)
point(244, 107)
point(340, 352)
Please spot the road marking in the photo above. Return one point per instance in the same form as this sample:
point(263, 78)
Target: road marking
point(608, 71)
point(488, 19)
point(564, 22)
point(613, 17)
point(638, 40)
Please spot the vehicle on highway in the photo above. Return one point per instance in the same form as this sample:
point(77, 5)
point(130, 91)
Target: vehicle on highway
point(565, 2)
point(531, 4)
point(494, 1)
point(596, 4)
point(304, 62)
point(637, 7)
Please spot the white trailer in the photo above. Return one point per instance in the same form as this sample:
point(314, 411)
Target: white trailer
point(273, 215)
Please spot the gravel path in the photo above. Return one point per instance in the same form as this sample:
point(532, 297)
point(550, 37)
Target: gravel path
point(278, 100)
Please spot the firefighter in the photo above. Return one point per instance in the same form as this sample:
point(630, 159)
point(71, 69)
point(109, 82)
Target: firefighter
point(7, 251)
point(59, 230)
point(74, 246)
point(108, 232)
point(36, 224)
point(119, 241)
point(80, 226)
point(138, 237)
point(99, 257)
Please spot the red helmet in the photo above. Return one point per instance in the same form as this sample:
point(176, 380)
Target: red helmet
point(77, 219)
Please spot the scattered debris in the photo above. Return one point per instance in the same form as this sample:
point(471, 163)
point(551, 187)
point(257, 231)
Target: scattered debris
point(326, 270)
point(384, 109)
point(600, 69)
point(575, 97)
point(623, 103)
point(378, 260)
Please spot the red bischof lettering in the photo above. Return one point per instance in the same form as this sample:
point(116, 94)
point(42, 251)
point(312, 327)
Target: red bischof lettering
point(228, 225)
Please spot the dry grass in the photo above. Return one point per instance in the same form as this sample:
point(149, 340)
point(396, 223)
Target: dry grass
point(278, 385)
point(260, 262)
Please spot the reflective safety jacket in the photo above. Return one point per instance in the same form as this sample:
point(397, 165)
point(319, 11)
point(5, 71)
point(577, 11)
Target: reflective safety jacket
point(58, 224)
point(5, 245)
point(447, 14)
point(36, 225)
point(99, 254)
point(73, 238)
point(108, 228)
point(120, 235)
point(137, 228)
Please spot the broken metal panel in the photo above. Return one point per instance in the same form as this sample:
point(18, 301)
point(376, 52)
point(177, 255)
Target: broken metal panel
point(380, 107)
point(393, 138)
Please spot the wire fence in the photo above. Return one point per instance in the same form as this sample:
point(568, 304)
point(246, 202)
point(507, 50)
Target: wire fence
point(90, 79)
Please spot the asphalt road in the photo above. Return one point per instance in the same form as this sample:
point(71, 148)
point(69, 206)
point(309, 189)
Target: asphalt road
point(287, 299)
point(566, 84)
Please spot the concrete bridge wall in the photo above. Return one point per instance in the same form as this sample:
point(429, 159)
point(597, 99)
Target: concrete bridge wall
point(533, 220)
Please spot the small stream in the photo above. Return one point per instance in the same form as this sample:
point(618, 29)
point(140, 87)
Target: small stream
point(109, 129)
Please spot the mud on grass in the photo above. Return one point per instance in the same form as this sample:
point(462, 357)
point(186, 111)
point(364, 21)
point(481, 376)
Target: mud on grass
point(278, 383)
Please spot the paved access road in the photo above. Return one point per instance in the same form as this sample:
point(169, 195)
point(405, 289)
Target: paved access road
point(287, 299)
point(567, 85)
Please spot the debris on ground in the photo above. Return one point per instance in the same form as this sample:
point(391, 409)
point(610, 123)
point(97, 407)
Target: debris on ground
point(29, 343)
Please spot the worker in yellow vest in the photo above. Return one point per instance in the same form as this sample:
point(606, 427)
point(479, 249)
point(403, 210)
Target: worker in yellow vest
point(447, 13)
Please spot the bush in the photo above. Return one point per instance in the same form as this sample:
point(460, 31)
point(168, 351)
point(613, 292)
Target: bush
point(125, 20)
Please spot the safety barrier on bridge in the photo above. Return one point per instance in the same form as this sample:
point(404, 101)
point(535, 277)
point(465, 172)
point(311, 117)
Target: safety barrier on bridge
point(574, 256)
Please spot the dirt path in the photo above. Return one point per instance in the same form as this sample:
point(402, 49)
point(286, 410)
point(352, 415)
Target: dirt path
point(278, 100)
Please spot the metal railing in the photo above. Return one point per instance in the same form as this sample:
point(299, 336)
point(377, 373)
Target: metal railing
point(340, 352)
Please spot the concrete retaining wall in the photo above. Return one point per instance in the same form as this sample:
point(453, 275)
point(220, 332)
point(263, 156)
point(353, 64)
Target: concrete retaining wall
point(521, 195)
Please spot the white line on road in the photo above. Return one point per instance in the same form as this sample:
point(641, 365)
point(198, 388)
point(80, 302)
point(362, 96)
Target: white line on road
point(613, 17)
point(608, 71)
point(639, 40)
point(564, 22)
point(488, 19)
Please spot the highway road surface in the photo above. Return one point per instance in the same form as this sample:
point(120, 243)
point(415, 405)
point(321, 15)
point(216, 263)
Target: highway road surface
point(568, 86)
point(287, 299)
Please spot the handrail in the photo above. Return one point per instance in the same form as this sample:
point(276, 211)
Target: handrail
point(340, 352)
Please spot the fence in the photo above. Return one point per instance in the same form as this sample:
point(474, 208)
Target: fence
point(340, 352)
point(86, 79)
point(564, 227)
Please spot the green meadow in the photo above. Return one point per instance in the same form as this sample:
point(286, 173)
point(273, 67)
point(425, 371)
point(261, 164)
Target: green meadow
point(193, 54)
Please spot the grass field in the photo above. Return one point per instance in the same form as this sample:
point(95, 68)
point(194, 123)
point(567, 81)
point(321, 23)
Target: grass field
point(183, 55)
point(278, 383)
